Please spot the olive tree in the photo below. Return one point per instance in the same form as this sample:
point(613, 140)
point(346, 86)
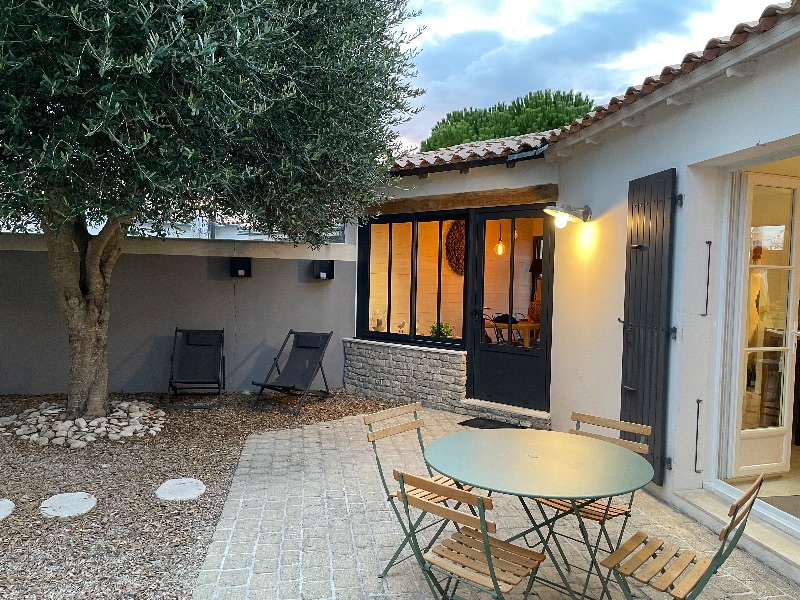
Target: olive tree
point(121, 117)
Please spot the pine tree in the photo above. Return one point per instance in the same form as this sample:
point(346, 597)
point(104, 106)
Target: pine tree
point(534, 112)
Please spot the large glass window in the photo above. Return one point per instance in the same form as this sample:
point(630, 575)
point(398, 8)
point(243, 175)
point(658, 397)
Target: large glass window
point(768, 286)
point(416, 278)
point(512, 281)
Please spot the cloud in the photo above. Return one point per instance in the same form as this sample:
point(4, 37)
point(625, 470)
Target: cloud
point(476, 56)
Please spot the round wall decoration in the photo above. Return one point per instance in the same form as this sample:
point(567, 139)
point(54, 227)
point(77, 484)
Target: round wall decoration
point(454, 247)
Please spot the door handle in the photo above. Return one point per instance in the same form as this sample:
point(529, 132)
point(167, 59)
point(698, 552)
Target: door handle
point(628, 388)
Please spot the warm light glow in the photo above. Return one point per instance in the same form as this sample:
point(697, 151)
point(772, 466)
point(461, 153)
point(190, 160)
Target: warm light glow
point(499, 248)
point(586, 242)
point(561, 221)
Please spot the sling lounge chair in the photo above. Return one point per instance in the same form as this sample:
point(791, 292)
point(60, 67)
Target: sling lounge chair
point(299, 371)
point(197, 366)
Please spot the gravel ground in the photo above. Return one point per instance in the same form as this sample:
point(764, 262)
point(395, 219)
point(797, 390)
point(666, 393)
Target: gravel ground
point(132, 545)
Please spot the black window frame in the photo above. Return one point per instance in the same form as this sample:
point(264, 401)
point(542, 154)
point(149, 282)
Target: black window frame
point(363, 279)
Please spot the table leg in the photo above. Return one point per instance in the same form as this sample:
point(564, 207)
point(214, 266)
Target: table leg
point(593, 564)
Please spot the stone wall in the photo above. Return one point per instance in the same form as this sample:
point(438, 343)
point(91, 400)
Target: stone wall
point(435, 377)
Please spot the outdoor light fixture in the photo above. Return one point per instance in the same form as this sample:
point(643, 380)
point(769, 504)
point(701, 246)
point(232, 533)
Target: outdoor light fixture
point(565, 213)
point(500, 247)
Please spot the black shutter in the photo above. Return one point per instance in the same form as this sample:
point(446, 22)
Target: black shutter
point(648, 291)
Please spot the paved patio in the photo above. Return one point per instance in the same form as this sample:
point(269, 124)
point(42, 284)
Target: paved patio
point(306, 518)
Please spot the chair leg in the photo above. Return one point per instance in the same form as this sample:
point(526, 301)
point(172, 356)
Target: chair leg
point(623, 584)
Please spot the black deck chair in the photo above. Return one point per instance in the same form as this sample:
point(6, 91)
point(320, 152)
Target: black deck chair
point(297, 375)
point(197, 366)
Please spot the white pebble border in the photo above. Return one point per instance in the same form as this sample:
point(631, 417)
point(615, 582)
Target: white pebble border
point(46, 425)
point(178, 490)
point(6, 508)
point(68, 505)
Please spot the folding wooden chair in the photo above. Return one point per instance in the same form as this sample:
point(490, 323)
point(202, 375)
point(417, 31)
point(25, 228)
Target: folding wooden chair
point(470, 555)
point(651, 561)
point(599, 511)
point(395, 421)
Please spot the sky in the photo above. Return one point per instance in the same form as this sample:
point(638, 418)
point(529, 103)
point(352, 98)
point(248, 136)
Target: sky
point(476, 53)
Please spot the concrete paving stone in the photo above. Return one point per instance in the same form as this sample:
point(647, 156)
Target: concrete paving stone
point(316, 590)
point(263, 565)
point(288, 590)
point(234, 593)
point(289, 557)
point(263, 581)
point(233, 578)
point(245, 533)
point(319, 495)
point(237, 561)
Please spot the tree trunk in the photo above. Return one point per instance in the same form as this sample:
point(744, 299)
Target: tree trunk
point(80, 271)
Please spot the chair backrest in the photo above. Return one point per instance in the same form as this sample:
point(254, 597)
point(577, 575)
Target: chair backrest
point(304, 359)
point(498, 332)
point(690, 587)
point(391, 422)
point(437, 491)
point(643, 431)
point(197, 355)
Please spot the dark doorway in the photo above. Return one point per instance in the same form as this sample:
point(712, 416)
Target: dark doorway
point(511, 303)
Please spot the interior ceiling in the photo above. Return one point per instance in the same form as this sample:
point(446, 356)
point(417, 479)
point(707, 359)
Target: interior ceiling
point(787, 166)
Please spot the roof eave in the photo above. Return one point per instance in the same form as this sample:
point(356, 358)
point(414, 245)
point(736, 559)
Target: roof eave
point(780, 34)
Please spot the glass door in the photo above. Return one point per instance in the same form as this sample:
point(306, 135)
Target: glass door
point(769, 319)
point(510, 348)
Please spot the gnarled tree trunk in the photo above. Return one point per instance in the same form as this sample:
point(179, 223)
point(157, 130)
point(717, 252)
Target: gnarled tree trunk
point(80, 271)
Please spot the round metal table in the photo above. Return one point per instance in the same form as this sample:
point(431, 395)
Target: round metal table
point(533, 463)
point(530, 463)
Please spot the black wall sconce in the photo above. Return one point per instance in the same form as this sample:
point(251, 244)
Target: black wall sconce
point(241, 266)
point(323, 269)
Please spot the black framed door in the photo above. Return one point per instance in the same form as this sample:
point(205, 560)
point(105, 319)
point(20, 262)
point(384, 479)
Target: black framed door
point(510, 306)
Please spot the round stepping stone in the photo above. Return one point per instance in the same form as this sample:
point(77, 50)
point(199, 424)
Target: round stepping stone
point(68, 505)
point(6, 508)
point(181, 489)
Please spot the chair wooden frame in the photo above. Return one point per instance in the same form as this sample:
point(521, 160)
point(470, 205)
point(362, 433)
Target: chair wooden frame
point(599, 511)
point(469, 555)
point(651, 561)
point(395, 421)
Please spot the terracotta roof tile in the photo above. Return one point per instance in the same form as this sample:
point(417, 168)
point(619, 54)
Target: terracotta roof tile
point(498, 148)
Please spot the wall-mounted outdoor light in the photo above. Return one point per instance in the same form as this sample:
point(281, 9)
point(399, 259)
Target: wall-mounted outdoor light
point(566, 213)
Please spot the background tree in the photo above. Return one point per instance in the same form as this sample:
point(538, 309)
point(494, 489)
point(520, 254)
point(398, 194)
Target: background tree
point(129, 115)
point(534, 112)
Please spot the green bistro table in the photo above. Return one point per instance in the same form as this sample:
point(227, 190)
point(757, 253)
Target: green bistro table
point(529, 463)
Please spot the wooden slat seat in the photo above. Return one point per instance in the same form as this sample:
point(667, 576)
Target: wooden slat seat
point(595, 511)
point(463, 554)
point(667, 568)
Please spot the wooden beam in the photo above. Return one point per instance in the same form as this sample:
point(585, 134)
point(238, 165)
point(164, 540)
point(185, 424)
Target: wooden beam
point(535, 194)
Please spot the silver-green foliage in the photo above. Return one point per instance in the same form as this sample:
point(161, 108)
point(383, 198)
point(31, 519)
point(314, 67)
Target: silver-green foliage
point(535, 112)
point(276, 113)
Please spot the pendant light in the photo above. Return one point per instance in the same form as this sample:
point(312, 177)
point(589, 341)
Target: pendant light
point(499, 247)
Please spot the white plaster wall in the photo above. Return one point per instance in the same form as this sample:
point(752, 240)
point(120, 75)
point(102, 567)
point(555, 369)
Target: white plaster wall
point(525, 173)
point(727, 116)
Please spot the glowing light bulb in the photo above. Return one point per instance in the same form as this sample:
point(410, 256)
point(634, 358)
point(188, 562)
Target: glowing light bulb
point(561, 221)
point(499, 248)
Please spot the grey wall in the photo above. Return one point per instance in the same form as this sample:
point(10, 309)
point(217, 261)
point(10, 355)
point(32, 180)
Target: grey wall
point(153, 294)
